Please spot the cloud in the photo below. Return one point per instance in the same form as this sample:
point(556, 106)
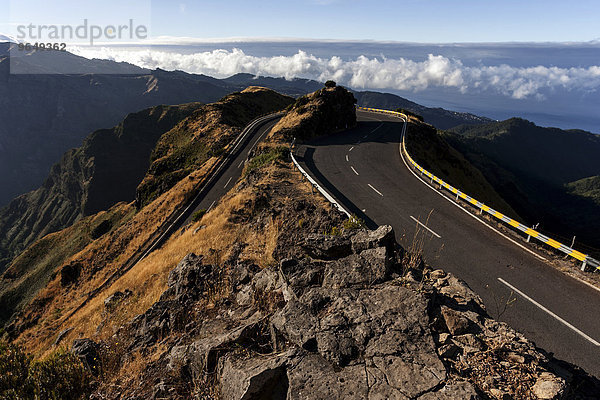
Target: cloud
point(368, 73)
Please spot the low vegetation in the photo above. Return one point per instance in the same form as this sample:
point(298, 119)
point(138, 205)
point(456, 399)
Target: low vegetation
point(267, 157)
point(59, 376)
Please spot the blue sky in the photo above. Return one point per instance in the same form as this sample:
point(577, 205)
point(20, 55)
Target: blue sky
point(426, 21)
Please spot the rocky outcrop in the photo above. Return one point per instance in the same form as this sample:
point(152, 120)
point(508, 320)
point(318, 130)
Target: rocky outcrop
point(352, 324)
point(325, 111)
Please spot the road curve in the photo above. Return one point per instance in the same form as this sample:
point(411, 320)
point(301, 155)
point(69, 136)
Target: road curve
point(220, 180)
point(364, 171)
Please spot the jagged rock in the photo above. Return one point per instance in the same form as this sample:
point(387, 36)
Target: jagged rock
point(154, 324)
point(449, 350)
point(189, 276)
point(69, 274)
point(87, 351)
point(200, 357)
point(456, 323)
point(548, 386)
point(365, 239)
point(262, 377)
point(453, 391)
point(327, 247)
point(461, 293)
point(411, 378)
point(61, 335)
point(469, 343)
point(314, 378)
point(369, 267)
point(245, 296)
point(385, 323)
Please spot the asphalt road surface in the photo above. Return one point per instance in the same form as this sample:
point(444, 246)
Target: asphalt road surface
point(227, 178)
point(363, 169)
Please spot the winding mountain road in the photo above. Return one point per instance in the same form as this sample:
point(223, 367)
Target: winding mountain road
point(364, 170)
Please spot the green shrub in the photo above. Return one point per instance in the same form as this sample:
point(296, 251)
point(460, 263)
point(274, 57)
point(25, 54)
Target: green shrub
point(276, 153)
point(197, 216)
point(14, 372)
point(353, 223)
point(330, 84)
point(60, 376)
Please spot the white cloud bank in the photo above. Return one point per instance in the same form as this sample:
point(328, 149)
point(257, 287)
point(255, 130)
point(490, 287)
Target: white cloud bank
point(367, 73)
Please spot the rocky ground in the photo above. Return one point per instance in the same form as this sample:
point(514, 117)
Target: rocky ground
point(354, 318)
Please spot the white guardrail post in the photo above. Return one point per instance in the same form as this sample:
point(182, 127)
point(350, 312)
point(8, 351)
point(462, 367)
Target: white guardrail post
point(585, 259)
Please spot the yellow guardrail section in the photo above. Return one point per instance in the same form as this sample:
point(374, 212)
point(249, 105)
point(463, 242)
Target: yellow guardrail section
point(585, 259)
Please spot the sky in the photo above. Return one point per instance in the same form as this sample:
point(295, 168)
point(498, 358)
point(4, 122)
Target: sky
point(550, 73)
point(423, 21)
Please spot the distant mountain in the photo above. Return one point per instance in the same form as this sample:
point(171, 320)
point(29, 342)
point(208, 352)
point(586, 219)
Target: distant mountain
point(548, 175)
point(438, 117)
point(45, 109)
point(43, 115)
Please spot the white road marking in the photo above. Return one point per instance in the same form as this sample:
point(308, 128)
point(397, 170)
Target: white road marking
point(354, 170)
point(550, 313)
point(228, 180)
point(351, 148)
point(347, 157)
point(466, 211)
point(425, 226)
point(211, 204)
point(241, 162)
point(377, 128)
point(377, 191)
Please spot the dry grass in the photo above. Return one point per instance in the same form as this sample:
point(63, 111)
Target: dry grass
point(107, 254)
point(147, 279)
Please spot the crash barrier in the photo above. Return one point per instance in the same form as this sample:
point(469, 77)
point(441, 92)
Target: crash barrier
point(531, 233)
point(319, 188)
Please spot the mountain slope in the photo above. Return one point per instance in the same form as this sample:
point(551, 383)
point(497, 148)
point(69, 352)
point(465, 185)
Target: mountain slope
point(95, 249)
point(105, 170)
point(272, 292)
point(43, 115)
point(428, 147)
point(543, 173)
point(44, 111)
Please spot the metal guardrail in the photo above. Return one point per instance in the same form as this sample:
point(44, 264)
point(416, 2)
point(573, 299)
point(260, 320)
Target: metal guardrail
point(168, 226)
point(319, 188)
point(585, 259)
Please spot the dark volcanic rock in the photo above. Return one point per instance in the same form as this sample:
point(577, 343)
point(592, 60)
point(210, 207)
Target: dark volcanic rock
point(87, 351)
point(345, 328)
point(327, 247)
point(69, 274)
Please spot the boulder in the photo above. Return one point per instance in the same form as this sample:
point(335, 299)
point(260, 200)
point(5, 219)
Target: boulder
point(69, 274)
point(256, 378)
point(548, 386)
point(365, 239)
point(327, 247)
point(87, 351)
point(369, 267)
point(456, 323)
